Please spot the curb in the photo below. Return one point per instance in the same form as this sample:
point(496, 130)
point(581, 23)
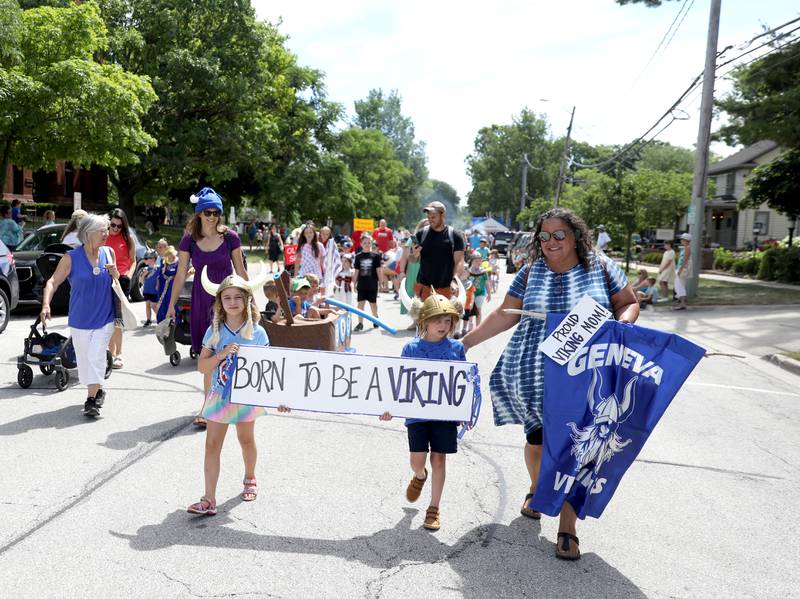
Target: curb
point(784, 362)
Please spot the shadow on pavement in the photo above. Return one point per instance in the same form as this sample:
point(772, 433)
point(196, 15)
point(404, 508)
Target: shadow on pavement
point(145, 434)
point(57, 419)
point(494, 560)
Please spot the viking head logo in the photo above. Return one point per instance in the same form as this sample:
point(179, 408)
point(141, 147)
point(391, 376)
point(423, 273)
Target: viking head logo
point(597, 443)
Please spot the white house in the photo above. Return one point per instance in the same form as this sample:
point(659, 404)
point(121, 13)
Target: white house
point(726, 224)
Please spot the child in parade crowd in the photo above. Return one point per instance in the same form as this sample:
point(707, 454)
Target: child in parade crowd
point(437, 320)
point(149, 276)
point(316, 298)
point(483, 249)
point(365, 279)
point(272, 310)
point(234, 323)
point(494, 270)
point(641, 279)
point(648, 294)
point(480, 292)
point(298, 302)
point(344, 280)
point(169, 269)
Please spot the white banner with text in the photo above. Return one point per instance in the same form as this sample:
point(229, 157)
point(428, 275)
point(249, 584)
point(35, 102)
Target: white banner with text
point(349, 383)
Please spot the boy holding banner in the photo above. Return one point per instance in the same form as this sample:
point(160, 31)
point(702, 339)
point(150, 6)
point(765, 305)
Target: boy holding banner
point(437, 321)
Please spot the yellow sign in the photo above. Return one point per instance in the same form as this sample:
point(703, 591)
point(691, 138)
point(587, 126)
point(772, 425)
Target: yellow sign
point(363, 224)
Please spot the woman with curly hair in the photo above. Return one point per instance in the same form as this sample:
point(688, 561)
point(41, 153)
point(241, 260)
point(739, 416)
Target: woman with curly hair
point(562, 270)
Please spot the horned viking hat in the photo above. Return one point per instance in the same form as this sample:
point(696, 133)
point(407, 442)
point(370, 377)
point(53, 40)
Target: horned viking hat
point(252, 315)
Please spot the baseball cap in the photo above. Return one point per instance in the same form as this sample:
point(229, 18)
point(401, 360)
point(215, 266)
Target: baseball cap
point(298, 284)
point(437, 206)
point(686, 236)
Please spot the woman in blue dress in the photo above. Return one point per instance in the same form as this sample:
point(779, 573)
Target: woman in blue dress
point(563, 269)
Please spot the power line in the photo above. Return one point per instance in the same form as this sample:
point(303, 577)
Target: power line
point(661, 43)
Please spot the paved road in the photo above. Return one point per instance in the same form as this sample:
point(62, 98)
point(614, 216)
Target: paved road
point(97, 509)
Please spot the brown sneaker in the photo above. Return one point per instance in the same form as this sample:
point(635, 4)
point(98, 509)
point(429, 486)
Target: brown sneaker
point(415, 487)
point(432, 521)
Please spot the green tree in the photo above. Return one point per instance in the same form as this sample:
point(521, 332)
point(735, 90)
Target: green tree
point(666, 158)
point(777, 183)
point(495, 164)
point(370, 156)
point(384, 113)
point(59, 103)
point(765, 101)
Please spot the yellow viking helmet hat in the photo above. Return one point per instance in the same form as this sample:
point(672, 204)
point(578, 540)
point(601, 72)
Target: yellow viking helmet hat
point(233, 280)
point(437, 305)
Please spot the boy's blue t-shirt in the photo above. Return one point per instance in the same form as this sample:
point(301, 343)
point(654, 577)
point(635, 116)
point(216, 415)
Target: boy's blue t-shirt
point(303, 307)
point(150, 280)
point(446, 349)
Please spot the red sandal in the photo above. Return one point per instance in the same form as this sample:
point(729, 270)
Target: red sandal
point(204, 507)
point(250, 491)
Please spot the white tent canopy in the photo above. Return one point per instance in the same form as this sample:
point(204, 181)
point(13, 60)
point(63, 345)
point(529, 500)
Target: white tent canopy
point(490, 225)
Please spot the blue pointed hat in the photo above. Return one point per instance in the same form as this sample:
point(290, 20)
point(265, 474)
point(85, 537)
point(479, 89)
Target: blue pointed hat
point(206, 199)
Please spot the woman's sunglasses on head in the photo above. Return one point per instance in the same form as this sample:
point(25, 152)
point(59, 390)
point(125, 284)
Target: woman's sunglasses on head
point(558, 235)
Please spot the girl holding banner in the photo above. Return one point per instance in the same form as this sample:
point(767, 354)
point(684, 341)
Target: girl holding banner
point(234, 323)
point(563, 269)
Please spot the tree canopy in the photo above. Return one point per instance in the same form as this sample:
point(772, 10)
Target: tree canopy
point(59, 102)
point(777, 183)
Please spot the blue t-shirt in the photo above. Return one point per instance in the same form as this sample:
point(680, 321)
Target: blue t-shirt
point(150, 280)
point(226, 337)
point(474, 241)
point(446, 349)
point(303, 308)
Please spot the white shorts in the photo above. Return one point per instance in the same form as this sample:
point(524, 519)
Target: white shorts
point(680, 287)
point(479, 299)
point(90, 353)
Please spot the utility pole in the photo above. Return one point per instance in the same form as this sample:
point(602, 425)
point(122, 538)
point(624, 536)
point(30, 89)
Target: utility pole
point(523, 189)
point(697, 213)
point(564, 159)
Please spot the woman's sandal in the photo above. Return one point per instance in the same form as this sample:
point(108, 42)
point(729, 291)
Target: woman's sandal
point(204, 507)
point(564, 550)
point(432, 520)
point(250, 489)
point(199, 421)
point(528, 511)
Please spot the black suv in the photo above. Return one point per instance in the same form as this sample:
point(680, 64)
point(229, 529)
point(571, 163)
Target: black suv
point(502, 239)
point(9, 285)
point(31, 282)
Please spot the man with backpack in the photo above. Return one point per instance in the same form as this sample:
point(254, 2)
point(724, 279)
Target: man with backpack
point(442, 253)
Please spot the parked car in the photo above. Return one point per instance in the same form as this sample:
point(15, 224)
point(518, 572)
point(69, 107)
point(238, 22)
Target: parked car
point(9, 285)
point(31, 282)
point(518, 251)
point(502, 239)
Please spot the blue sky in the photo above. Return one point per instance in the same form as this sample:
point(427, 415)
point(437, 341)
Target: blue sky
point(460, 66)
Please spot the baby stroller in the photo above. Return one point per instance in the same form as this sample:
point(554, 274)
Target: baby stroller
point(52, 353)
point(178, 331)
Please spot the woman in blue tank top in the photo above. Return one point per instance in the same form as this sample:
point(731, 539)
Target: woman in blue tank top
point(89, 268)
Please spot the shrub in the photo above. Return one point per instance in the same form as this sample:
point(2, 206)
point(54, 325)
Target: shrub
point(722, 259)
point(769, 261)
point(652, 257)
point(787, 265)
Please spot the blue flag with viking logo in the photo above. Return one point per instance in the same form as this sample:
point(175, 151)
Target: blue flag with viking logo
point(600, 408)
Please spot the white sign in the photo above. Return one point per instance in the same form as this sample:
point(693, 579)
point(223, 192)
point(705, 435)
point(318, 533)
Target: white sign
point(344, 383)
point(76, 200)
point(575, 330)
point(664, 234)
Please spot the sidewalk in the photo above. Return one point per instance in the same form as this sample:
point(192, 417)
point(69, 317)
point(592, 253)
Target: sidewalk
point(716, 275)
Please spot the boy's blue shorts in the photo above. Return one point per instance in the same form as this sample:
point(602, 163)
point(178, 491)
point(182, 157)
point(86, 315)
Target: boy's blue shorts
point(437, 435)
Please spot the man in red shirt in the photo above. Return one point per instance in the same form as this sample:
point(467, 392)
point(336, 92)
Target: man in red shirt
point(383, 237)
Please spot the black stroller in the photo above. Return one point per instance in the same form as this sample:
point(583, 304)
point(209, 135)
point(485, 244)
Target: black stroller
point(178, 331)
point(52, 353)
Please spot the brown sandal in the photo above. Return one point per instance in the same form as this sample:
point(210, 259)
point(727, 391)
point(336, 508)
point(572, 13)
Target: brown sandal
point(563, 549)
point(528, 511)
point(415, 487)
point(432, 521)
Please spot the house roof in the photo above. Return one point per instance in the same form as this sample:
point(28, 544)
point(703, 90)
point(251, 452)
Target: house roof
point(744, 158)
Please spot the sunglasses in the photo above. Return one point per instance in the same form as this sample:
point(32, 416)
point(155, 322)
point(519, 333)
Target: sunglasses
point(211, 213)
point(558, 235)
point(115, 226)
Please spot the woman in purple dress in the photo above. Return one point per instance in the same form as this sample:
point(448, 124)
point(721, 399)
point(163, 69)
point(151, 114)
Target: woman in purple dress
point(206, 242)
